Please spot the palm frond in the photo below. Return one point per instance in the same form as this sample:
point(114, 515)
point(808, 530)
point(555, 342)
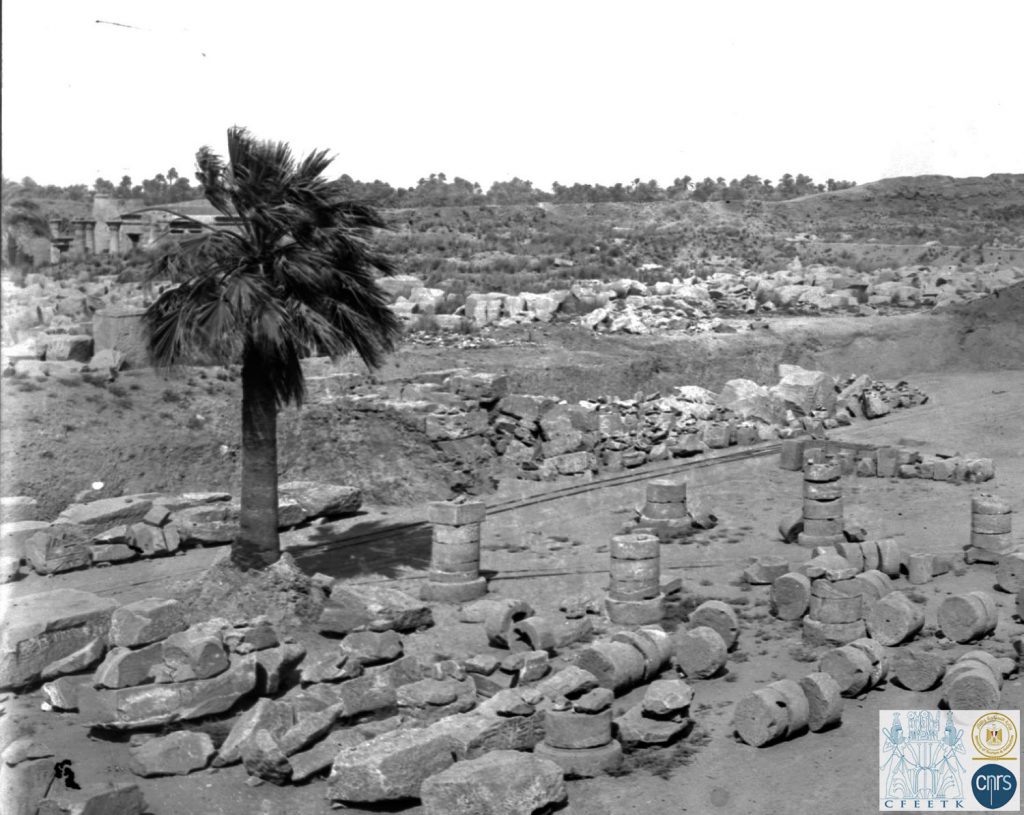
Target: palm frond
point(299, 278)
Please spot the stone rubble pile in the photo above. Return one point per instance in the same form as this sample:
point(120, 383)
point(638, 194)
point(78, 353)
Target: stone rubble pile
point(478, 425)
point(697, 303)
point(113, 530)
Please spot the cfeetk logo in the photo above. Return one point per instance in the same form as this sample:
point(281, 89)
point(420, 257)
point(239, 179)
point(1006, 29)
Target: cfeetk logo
point(949, 760)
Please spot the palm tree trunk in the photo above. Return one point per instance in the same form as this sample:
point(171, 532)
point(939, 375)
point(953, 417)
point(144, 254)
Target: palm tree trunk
point(257, 544)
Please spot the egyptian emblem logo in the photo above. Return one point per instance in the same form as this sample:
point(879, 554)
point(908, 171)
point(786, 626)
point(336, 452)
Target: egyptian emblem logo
point(923, 760)
point(994, 735)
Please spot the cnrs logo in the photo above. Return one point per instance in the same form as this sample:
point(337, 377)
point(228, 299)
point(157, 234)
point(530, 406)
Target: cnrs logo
point(993, 786)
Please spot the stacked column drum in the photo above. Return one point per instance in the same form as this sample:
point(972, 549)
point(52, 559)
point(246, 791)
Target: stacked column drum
point(991, 529)
point(455, 552)
point(665, 510)
point(634, 591)
point(823, 502)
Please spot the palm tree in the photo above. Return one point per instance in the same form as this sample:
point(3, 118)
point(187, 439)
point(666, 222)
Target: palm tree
point(296, 275)
point(22, 217)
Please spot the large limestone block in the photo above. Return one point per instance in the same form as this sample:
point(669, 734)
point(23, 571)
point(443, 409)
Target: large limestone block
point(390, 767)
point(146, 621)
point(805, 391)
point(107, 512)
point(174, 754)
point(748, 400)
point(40, 629)
point(58, 548)
point(505, 782)
point(151, 705)
point(320, 500)
point(377, 608)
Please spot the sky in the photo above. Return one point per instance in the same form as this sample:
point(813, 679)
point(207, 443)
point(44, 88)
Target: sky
point(560, 90)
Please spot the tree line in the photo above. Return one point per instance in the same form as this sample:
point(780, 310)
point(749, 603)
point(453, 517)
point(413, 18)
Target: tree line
point(436, 190)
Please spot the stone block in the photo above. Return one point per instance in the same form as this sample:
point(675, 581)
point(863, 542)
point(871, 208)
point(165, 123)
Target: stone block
point(373, 647)
point(146, 621)
point(38, 630)
point(26, 773)
point(127, 667)
point(152, 705)
point(276, 717)
point(376, 608)
point(59, 548)
point(502, 782)
point(390, 767)
point(175, 754)
point(107, 512)
point(194, 654)
point(320, 500)
point(101, 798)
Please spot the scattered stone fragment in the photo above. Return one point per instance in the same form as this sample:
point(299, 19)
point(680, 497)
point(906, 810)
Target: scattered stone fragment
point(263, 758)
point(329, 666)
point(502, 782)
point(320, 756)
point(570, 682)
point(499, 617)
point(193, 654)
point(667, 697)
point(58, 548)
point(594, 701)
point(274, 664)
point(484, 664)
point(765, 569)
point(62, 692)
point(920, 567)
point(176, 754)
point(277, 717)
point(373, 647)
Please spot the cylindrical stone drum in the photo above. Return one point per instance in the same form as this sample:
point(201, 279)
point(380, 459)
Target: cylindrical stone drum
point(617, 666)
point(634, 567)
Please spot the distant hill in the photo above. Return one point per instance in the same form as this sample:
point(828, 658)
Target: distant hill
point(1000, 192)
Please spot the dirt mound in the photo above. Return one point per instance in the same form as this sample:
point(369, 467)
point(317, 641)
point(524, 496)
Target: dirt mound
point(282, 593)
point(1005, 304)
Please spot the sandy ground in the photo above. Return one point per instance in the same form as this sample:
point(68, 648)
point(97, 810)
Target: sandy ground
point(835, 772)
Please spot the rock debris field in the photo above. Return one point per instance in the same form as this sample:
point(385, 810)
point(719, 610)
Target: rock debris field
point(620, 646)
